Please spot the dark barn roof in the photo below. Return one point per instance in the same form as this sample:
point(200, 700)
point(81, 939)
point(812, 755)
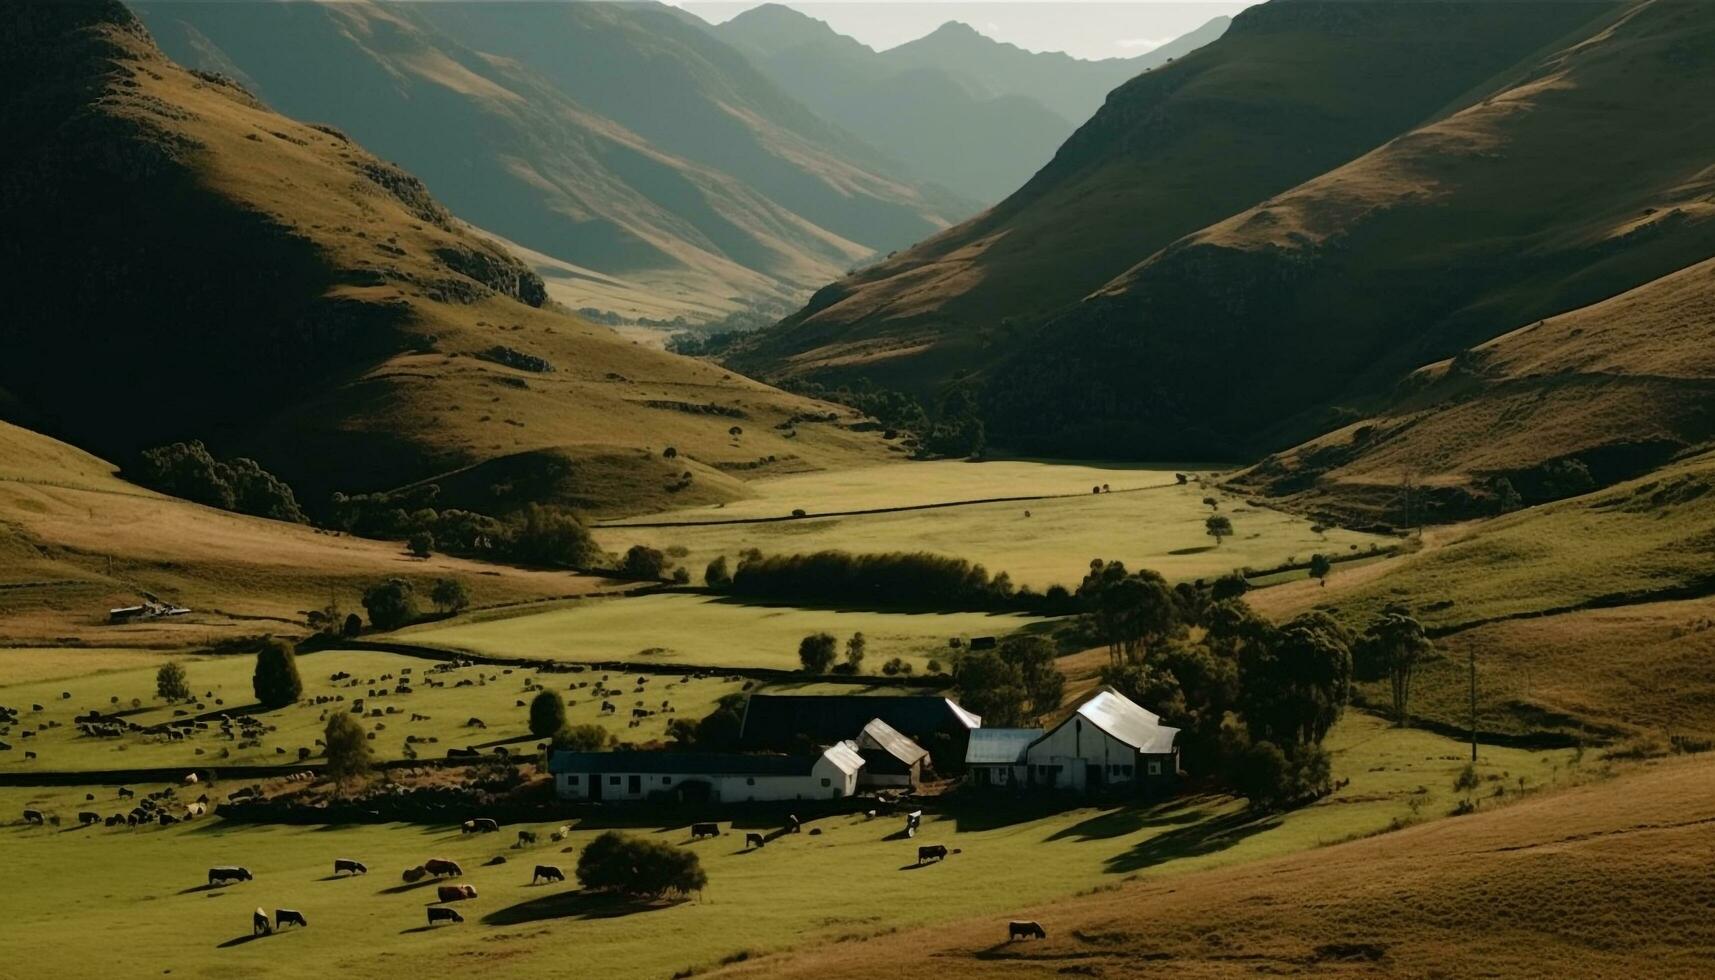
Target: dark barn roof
point(778, 719)
point(690, 763)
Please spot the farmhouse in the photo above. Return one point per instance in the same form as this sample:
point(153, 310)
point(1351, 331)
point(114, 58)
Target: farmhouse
point(785, 722)
point(705, 776)
point(889, 758)
point(1106, 744)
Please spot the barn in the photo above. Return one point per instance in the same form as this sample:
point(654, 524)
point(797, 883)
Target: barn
point(890, 760)
point(1105, 744)
point(788, 722)
point(705, 776)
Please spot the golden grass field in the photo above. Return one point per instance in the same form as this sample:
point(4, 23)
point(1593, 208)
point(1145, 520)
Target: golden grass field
point(1148, 521)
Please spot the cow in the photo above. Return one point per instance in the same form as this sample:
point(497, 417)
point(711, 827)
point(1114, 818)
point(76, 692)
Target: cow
point(456, 893)
point(259, 925)
point(286, 917)
point(195, 810)
point(221, 875)
point(548, 872)
point(440, 867)
point(753, 840)
point(123, 792)
point(437, 914)
point(414, 875)
point(1025, 930)
point(479, 825)
point(87, 817)
point(926, 852)
point(793, 826)
point(526, 837)
point(475, 723)
point(33, 816)
point(166, 819)
point(28, 755)
point(347, 864)
point(191, 779)
point(701, 830)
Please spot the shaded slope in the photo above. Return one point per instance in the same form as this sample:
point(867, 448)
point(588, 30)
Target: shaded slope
point(1293, 89)
point(201, 267)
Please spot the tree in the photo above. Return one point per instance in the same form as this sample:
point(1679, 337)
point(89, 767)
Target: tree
point(717, 575)
point(1229, 586)
point(670, 453)
point(449, 594)
point(547, 536)
point(1295, 681)
point(348, 751)
point(1219, 526)
point(276, 681)
point(1395, 645)
point(1034, 657)
point(991, 687)
point(353, 625)
point(420, 544)
point(171, 684)
point(642, 561)
point(718, 731)
point(390, 604)
point(1211, 503)
point(1320, 566)
point(547, 714)
point(854, 651)
point(817, 651)
point(626, 864)
point(578, 738)
point(1128, 611)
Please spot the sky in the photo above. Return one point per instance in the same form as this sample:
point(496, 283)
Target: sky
point(1084, 29)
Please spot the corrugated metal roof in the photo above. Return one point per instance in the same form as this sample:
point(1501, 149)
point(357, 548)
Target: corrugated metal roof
point(879, 734)
point(845, 755)
point(1120, 717)
point(999, 746)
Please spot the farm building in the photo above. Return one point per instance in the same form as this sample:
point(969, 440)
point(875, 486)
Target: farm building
point(1106, 743)
point(797, 721)
point(889, 758)
point(711, 776)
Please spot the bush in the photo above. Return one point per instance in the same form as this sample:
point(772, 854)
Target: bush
point(816, 652)
point(390, 604)
point(890, 578)
point(717, 575)
point(171, 684)
point(581, 738)
point(421, 543)
point(353, 625)
point(682, 575)
point(636, 866)
point(188, 470)
point(547, 714)
point(644, 562)
point(348, 750)
point(450, 594)
point(855, 648)
point(276, 681)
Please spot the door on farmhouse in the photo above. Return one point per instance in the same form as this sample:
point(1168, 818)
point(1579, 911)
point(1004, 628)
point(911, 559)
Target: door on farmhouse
point(595, 785)
point(1092, 777)
point(634, 785)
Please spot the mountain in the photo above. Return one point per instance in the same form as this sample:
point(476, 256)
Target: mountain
point(654, 162)
point(956, 108)
point(1251, 246)
point(200, 267)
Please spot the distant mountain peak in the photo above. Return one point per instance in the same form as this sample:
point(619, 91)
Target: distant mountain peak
point(957, 31)
point(775, 26)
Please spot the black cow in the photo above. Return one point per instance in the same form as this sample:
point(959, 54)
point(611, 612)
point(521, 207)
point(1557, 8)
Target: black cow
point(347, 864)
point(218, 875)
point(479, 825)
point(33, 816)
point(259, 925)
point(167, 819)
point(88, 817)
point(792, 824)
point(1024, 930)
point(548, 872)
point(526, 837)
point(701, 830)
point(753, 840)
point(927, 852)
point(285, 917)
point(123, 792)
point(439, 914)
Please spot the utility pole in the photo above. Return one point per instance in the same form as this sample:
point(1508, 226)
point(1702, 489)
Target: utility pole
point(1473, 704)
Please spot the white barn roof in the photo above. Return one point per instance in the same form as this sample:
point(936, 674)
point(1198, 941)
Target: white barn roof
point(1124, 720)
point(879, 734)
point(845, 756)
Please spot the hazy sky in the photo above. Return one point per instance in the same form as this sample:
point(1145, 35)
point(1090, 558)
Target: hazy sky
point(1085, 29)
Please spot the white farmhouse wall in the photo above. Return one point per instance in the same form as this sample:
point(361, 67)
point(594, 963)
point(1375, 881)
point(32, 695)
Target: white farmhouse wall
point(1073, 747)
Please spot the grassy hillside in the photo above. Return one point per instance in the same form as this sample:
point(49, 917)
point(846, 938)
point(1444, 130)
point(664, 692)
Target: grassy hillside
point(613, 137)
point(1602, 880)
point(202, 267)
point(75, 541)
point(1292, 90)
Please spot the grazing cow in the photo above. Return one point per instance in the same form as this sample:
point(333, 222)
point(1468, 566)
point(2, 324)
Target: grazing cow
point(220, 875)
point(793, 826)
point(414, 875)
point(167, 819)
point(701, 830)
point(548, 872)
point(440, 867)
point(753, 840)
point(437, 914)
point(475, 723)
point(526, 837)
point(456, 893)
point(259, 925)
point(88, 817)
point(1025, 930)
point(29, 755)
point(348, 865)
point(33, 816)
point(123, 792)
point(191, 779)
point(195, 810)
point(485, 825)
point(292, 917)
point(927, 852)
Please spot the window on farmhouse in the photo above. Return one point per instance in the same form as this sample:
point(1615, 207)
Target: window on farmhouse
point(666, 780)
point(1155, 768)
point(827, 782)
point(571, 780)
point(613, 780)
point(750, 780)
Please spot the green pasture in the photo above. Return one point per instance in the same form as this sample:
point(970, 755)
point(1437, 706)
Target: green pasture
point(493, 697)
point(706, 631)
point(143, 891)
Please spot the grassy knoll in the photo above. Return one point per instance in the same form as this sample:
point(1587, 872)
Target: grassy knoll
point(693, 629)
point(494, 701)
point(1161, 527)
point(24, 665)
point(1607, 879)
point(803, 891)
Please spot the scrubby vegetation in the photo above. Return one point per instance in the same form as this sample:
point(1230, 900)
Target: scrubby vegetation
point(633, 866)
point(189, 470)
point(888, 579)
point(276, 681)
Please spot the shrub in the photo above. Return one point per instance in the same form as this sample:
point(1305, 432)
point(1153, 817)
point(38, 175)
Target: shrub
point(276, 681)
point(171, 684)
point(890, 578)
point(581, 738)
point(644, 562)
point(855, 648)
point(348, 750)
point(636, 866)
point(682, 575)
point(391, 604)
point(450, 594)
point(353, 625)
point(547, 714)
point(188, 470)
point(816, 652)
point(421, 543)
point(717, 575)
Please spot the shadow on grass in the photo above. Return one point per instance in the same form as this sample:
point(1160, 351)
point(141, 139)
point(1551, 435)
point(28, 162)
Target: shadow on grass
point(410, 886)
point(1192, 840)
point(572, 905)
point(1192, 551)
point(1123, 821)
point(241, 940)
point(210, 887)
